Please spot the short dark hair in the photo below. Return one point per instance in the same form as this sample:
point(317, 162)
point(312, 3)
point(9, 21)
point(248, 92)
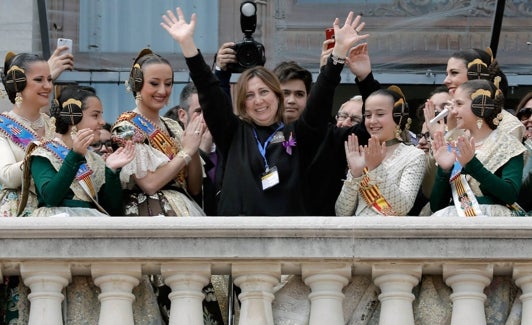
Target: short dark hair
point(189, 90)
point(290, 70)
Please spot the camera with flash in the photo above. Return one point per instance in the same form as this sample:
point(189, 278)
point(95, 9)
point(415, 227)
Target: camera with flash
point(249, 53)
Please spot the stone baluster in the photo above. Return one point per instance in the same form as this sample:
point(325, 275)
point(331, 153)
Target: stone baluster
point(186, 280)
point(396, 282)
point(326, 281)
point(116, 281)
point(256, 282)
point(468, 282)
point(46, 281)
point(522, 275)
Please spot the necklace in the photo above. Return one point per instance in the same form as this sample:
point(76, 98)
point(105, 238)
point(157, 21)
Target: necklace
point(35, 125)
point(391, 142)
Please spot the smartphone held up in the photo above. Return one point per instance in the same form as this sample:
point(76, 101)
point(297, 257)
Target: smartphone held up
point(329, 34)
point(67, 42)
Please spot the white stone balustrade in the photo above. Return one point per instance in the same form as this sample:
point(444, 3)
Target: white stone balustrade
point(395, 252)
point(116, 281)
point(522, 274)
point(46, 281)
point(468, 282)
point(396, 282)
point(256, 281)
point(326, 282)
point(186, 280)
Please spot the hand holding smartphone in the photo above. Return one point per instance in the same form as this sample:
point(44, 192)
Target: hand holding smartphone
point(67, 42)
point(329, 34)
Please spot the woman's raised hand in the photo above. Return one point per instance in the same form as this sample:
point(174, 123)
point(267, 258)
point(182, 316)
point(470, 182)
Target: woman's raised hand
point(81, 140)
point(465, 150)
point(181, 31)
point(442, 152)
point(375, 153)
point(192, 136)
point(348, 35)
point(359, 62)
point(354, 154)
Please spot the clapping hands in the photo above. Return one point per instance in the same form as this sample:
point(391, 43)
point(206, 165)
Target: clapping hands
point(358, 157)
point(121, 157)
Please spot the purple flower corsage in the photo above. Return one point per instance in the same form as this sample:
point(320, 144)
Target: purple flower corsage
point(288, 144)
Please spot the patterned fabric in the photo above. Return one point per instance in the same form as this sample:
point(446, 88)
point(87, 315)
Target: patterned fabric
point(511, 125)
point(10, 194)
point(95, 163)
point(398, 177)
point(167, 202)
point(493, 156)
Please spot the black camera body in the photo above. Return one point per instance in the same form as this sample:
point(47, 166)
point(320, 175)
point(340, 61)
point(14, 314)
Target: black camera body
point(249, 53)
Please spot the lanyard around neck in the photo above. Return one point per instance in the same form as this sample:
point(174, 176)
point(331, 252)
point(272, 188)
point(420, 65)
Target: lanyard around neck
point(262, 147)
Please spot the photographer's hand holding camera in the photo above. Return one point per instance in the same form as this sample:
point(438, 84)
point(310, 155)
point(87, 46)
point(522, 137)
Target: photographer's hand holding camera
point(226, 55)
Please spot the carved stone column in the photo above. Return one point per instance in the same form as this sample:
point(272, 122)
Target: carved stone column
point(396, 282)
point(46, 281)
point(522, 275)
point(256, 281)
point(116, 280)
point(326, 280)
point(186, 279)
point(468, 282)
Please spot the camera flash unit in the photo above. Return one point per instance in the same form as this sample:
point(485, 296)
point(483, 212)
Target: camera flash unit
point(248, 17)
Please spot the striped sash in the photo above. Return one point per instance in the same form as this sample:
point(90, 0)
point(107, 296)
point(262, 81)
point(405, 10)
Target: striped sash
point(373, 197)
point(158, 139)
point(19, 134)
point(82, 175)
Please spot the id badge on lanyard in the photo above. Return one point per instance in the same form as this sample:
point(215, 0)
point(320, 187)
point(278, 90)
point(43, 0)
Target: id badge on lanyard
point(270, 177)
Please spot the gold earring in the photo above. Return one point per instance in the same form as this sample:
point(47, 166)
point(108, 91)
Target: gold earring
point(138, 98)
point(73, 131)
point(398, 133)
point(18, 99)
point(479, 123)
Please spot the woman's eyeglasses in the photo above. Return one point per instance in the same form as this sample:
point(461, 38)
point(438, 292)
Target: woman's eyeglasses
point(524, 113)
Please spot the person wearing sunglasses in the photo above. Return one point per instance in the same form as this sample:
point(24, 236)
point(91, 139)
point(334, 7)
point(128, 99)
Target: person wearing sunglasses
point(103, 147)
point(524, 110)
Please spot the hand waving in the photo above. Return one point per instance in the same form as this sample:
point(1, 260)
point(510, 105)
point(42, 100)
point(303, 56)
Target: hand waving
point(354, 154)
point(375, 153)
point(347, 35)
point(181, 31)
point(359, 62)
point(440, 150)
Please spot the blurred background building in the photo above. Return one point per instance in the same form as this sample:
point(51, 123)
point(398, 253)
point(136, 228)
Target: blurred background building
point(409, 45)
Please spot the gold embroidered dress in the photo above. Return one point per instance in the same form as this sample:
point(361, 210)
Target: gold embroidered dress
point(494, 155)
point(173, 198)
point(398, 178)
point(11, 158)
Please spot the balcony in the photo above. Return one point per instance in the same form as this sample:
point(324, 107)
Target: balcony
point(394, 253)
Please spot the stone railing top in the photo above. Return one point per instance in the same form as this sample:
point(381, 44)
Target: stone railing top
point(357, 227)
point(225, 240)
